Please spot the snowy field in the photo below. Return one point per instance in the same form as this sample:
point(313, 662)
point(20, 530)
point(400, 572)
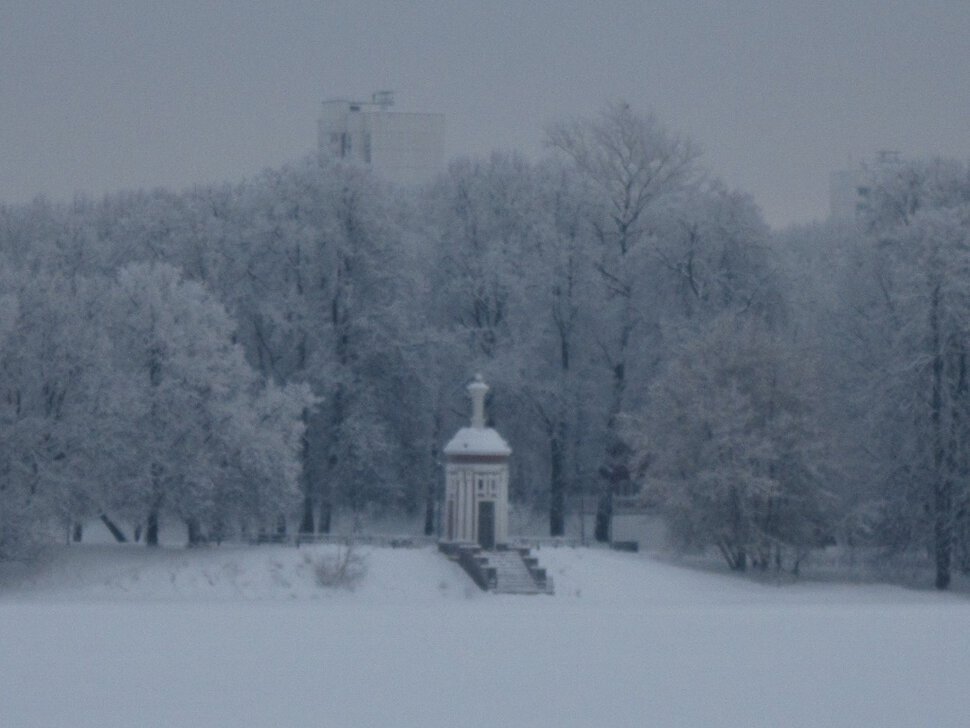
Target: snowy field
point(244, 636)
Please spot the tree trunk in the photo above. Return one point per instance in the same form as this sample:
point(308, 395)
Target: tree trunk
point(557, 489)
point(194, 531)
point(942, 485)
point(429, 508)
point(326, 514)
point(735, 556)
point(578, 478)
point(615, 477)
point(337, 402)
point(151, 528)
point(741, 560)
point(955, 464)
point(604, 514)
point(942, 532)
point(431, 497)
point(306, 521)
point(615, 470)
point(155, 380)
point(115, 531)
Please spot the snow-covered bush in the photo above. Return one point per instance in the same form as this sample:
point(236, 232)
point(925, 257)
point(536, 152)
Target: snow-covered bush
point(344, 569)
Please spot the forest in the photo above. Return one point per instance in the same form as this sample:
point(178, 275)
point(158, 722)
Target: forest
point(259, 357)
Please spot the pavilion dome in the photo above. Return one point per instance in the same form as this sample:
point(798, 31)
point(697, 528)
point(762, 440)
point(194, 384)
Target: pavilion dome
point(477, 439)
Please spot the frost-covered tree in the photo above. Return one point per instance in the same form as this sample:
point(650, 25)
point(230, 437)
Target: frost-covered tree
point(21, 507)
point(714, 253)
point(562, 316)
point(729, 448)
point(58, 426)
point(363, 434)
point(570, 284)
point(883, 306)
point(634, 166)
point(191, 400)
point(927, 378)
point(484, 214)
point(312, 274)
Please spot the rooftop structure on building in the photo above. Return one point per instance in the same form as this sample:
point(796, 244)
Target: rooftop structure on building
point(403, 148)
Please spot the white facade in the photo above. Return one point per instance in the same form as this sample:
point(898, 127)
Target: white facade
point(404, 148)
point(467, 487)
point(844, 197)
point(477, 480)
point(849, 188)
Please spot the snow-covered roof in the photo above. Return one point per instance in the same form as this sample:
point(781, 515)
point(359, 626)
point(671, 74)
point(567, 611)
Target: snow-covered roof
point(477, 441)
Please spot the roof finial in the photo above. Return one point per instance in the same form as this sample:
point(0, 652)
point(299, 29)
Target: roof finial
point(477, 390)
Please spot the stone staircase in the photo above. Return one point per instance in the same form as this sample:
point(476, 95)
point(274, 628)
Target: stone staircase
point(504, 570)
point(512, 576)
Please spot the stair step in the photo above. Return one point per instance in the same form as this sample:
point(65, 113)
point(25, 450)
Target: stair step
point(512, 574)
point(508, 571)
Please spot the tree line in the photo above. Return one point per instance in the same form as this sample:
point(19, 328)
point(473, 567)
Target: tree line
point(261, 356)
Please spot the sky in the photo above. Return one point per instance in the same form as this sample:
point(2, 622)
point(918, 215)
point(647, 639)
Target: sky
point(99, 96)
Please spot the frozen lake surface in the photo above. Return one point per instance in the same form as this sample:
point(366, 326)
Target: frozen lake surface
point(233, 636)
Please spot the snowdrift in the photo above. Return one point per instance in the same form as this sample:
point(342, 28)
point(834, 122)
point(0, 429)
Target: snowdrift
point(241, 637)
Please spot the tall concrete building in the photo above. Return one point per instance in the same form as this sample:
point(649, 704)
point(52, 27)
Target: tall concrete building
point(849, 188)
point(404, 148)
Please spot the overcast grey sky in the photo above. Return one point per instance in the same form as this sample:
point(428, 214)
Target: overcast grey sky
point(99, 96)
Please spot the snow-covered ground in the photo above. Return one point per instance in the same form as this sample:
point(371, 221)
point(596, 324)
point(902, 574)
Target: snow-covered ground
point(244, 636)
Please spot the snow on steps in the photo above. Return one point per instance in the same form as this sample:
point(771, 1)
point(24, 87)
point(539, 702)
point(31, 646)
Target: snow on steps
point(504, 570)
point(511, 574)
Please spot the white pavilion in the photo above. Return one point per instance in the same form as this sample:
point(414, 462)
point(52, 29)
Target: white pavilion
point(477, 480)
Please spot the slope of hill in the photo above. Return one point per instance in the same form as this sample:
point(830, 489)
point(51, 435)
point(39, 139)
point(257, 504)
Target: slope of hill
point(246, 637)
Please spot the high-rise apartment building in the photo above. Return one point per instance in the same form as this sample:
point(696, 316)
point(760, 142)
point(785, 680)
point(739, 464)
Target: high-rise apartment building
point(404, 148)
point(849, 188)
